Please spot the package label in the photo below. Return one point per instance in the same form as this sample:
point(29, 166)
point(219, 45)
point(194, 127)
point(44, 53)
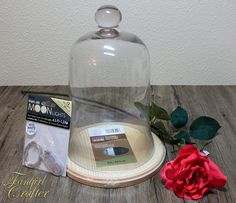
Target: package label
point(110, 145)
point(48, 110)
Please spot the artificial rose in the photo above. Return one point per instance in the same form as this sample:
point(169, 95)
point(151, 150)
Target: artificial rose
point(191, 174)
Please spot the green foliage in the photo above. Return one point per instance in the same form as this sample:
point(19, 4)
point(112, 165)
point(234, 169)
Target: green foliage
point(153, 111)
point(179, 117)
point(143, 108)
point(159, 113)
point(160, 127)
point(204, 128)
point(182, 137)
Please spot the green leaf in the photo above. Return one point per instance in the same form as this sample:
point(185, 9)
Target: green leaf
point(183, 135)
point(182, 143)
point(204, 128)
point(160, 127)
point(143, 108)
point(152, 111)
point(179, 117)
point(159, 112)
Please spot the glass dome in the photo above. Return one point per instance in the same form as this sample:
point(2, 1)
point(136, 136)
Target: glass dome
point(109, 73)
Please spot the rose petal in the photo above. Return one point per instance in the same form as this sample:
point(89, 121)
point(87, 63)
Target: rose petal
point(217, 178)
point(189, 187)
point(199, 194)
point(202, 183)
point(163, 171)
point(179, 191)
point(190, 159)
point(169, 185)
point(178, 159)
point(171, 174)
point(190, 172)
point(189, 148)
point(179, 182)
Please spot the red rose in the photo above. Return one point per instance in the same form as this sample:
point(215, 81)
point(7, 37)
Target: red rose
point(191, 174)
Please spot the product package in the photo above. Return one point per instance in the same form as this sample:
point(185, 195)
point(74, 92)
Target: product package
point(110, 145)
point(47, 134)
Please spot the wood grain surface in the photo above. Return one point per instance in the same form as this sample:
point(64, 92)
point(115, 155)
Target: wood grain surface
point(216, 101)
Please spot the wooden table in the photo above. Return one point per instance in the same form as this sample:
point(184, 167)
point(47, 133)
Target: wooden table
point(216, 101)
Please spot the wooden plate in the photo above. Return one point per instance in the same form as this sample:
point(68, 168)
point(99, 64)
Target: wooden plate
point(150, 155)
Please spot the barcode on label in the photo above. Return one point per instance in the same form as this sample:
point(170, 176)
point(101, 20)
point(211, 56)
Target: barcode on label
point(106, 130)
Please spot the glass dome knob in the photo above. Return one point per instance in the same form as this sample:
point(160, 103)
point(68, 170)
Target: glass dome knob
point(108, 17)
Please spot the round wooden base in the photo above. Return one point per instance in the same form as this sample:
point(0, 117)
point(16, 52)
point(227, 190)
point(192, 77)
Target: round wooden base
point(115, 178)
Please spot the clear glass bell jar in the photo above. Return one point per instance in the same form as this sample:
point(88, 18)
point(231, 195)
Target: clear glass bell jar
point(109, 72)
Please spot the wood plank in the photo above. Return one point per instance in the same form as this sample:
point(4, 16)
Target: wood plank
point(219, 103)
point(216, 101)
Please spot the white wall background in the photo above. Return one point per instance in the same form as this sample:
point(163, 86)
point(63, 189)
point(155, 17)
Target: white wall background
point(190, 41)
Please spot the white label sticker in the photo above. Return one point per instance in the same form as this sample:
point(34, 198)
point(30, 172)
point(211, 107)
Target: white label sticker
point(30, 129)
point(205, 152)
point(106, 130)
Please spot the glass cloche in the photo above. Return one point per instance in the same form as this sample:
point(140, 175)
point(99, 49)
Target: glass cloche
point(111, 144)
